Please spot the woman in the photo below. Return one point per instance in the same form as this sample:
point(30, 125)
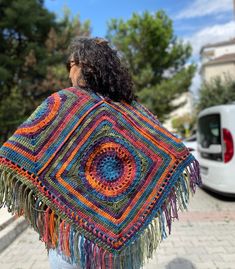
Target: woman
point(93, 171)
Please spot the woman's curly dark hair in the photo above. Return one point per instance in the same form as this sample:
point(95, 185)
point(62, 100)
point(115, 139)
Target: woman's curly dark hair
point(101, 68)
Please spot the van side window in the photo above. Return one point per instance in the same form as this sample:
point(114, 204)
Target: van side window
point(209, 129)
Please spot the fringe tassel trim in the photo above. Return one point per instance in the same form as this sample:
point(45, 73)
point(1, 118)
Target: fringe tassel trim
point(22, 198)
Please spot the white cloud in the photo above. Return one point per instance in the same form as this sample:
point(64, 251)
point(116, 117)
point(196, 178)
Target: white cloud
point(201, 8)
point(196, 83)
point(212, 34)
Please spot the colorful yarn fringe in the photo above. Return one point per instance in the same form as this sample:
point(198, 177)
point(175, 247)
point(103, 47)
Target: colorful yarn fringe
point(99, 181)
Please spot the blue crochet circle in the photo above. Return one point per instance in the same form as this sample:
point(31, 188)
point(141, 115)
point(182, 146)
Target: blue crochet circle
point(110, 168)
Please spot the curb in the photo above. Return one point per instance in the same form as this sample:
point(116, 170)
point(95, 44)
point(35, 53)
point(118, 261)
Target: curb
point(10, 230)
point(6, 223)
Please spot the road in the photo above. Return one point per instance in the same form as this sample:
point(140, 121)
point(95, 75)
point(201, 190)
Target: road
point(204, 237)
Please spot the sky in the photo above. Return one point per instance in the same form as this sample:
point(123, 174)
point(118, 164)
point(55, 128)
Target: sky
point(196, 21)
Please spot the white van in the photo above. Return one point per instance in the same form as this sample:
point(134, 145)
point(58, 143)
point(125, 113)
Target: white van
point(216, 142)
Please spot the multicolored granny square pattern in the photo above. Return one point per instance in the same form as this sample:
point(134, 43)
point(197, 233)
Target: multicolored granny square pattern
point(103, 167)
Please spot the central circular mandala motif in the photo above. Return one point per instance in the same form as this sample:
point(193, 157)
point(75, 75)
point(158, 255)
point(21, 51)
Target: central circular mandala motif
point(110, 169)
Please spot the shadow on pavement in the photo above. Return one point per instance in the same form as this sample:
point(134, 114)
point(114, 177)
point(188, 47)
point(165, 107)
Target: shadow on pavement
point(220, 196)
point(180, 263)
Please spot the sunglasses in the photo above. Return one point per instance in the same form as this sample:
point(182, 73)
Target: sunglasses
point(70, 64)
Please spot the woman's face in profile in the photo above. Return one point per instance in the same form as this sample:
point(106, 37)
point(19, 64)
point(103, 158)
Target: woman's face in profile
point(75, 74)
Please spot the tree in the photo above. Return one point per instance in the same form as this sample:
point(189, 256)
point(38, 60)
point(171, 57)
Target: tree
point(24, 27)
point(155, 58)
point(184, 124)
point(56, 44)
point(33, 48)
point(216, 92)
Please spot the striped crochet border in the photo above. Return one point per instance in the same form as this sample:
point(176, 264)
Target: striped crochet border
point(23, 194)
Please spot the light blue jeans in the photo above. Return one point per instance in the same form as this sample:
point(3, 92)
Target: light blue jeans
point(57, 262)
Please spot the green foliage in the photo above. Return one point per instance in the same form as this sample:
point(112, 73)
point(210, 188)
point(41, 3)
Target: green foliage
point(159, 97)
point(12, 111)
point(184, 124)
point(24, 27)
point(217, 92)
point(33, 47)
point(155, 58)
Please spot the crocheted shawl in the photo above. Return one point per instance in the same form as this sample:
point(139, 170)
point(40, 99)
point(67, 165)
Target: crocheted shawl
point(99, 180)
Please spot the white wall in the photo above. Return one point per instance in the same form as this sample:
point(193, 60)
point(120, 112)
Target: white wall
point(186, 109)
point(221, 70)
point(219, 51)
point(215, 52)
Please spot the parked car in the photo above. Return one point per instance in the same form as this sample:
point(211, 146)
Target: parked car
point(215, 137)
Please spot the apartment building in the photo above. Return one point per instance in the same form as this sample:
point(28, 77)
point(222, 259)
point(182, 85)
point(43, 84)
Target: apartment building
point(218, 59)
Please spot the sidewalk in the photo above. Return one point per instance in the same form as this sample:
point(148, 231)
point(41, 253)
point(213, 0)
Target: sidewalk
point(10, 228)
point(203, 238)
